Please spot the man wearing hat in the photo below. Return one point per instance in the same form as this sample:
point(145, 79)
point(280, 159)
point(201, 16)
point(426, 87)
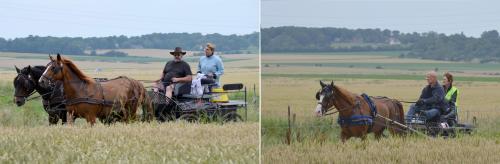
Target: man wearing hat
point(175, 71)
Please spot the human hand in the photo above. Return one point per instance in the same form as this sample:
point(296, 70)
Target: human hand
point(420, 102)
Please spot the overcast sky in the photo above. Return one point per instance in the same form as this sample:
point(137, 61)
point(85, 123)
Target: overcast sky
point(20, 18)
point(444, 16)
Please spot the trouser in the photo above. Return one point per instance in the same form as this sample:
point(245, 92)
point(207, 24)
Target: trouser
point(429, 114)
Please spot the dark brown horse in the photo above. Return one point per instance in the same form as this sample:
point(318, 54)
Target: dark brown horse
point(360, 114)
point(110, 101)
point(26, 83)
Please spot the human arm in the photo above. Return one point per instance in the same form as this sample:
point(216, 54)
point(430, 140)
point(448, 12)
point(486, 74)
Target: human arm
point(185, 79)
point(199, 66)
point(437, 96)
point(219, 68)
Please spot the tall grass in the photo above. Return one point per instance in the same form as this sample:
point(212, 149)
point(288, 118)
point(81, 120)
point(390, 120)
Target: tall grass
point(175, 142)
point(30, 114)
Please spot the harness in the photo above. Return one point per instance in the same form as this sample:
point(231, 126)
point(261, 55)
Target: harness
point(359, 119)
point(88, 99)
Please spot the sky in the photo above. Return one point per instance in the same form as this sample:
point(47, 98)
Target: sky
point(472, 17)
point(96, 18)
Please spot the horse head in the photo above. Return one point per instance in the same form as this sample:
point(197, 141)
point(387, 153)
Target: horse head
point(53, 72)
point(325, 98)
point(23, 85)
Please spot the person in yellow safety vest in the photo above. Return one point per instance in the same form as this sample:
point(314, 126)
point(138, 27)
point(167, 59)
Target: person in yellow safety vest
point(451, 98)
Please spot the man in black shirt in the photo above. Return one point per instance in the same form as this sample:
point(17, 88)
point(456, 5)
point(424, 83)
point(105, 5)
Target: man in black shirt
point(175, 71)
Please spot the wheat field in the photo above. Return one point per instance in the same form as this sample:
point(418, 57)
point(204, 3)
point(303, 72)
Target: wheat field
point(26, 137)
point(175, 142)
point(291, 80)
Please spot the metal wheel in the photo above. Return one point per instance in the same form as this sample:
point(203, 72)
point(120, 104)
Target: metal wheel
point(232, 117)
point(189, 118)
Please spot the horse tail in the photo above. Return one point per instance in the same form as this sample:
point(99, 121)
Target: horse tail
point(144, 100)
point(400, 117)
point(401, 112)
point(147, 107)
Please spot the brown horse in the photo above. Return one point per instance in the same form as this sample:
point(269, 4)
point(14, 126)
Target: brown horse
point(359, 114)
point(110, 101)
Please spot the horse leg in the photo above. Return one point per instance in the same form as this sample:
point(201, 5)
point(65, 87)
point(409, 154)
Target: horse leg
point(343, 136)
point(63, 116)
point(69, 116)
point(53, 118)
point(91, 118)
point(379, 134)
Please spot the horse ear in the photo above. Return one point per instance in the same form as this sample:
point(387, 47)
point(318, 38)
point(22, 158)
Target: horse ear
point(322, 84)
point(58, 57)
point(17, 69)
point(332, 83)
point(29, 68)
point(51, 58)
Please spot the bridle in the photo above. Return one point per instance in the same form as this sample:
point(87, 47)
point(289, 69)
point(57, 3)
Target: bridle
point(31, 84)
point(324, 112)
point(54, 71)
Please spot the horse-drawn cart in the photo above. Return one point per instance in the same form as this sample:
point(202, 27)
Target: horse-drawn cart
point(212, 106)
point(442, 126)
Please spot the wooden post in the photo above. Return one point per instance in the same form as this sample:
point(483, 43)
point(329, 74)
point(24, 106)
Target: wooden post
point(293, 125)
point(254, 98)
point(289, 132)
point(246, 104)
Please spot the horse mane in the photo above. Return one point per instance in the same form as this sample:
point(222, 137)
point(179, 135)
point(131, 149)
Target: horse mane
point(37, 71)
point(68, 63)
point(39, 68)
point(345, 94)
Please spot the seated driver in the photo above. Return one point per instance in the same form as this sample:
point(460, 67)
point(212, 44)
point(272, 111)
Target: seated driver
point(175, 71)
point(431, 102)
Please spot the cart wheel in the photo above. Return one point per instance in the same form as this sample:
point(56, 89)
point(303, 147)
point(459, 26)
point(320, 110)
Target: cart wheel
point(189, 117)
point(231, 116)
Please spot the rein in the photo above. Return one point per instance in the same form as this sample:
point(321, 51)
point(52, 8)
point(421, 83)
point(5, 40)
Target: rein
point(333, 107)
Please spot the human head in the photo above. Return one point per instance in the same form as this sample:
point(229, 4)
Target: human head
point(210, 49)
point(178, 53)
point(447, 79)
point(431, 77)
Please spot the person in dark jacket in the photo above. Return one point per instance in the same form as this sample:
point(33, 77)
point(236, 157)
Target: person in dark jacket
point(431, 102)
point(175, 71)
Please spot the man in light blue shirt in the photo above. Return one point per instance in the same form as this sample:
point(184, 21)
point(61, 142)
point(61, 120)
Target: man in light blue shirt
point(211, 64)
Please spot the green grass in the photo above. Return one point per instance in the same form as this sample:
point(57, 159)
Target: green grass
point(30, 114)
point(377, 53)
point(274, 131)
point(373, 76)
point(126, 59)
point(402, 66)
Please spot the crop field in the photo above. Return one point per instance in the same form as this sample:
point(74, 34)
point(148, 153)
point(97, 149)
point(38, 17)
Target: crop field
point(26, 137)
point(292, 80)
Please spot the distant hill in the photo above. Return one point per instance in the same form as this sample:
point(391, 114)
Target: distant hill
point(78, 45)
point(429, 45)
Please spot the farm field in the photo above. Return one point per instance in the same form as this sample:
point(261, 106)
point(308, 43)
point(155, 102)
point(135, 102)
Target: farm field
point(292, 80)
point(26, 136)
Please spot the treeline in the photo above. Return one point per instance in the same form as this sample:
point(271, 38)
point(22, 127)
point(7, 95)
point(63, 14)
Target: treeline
point(79, 45)
point(457, 47)
point(430, 45)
